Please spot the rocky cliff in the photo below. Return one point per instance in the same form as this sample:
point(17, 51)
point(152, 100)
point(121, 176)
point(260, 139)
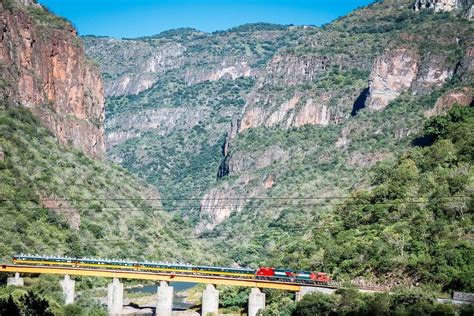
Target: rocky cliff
point(439, 5)
point(131, 66)
point(392, 74)
point(55, 199)
point(313, 85)
point(261, 114)
point(45, 69)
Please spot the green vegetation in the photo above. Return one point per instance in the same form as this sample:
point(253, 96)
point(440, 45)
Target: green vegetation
point(183, 162)
point(254, 27)
point(413, 225)
point(175, 93)
point(235, 299)
point(44, 17)
point(8, 4)
point(347, 301)
point(350, 302)
point(340, 159)
point(406, 223)
point(274, 229)
point(189, 55)
point(188, 175)
point(58, 201)
point(43, 296)
point(181, 34)
point(350, 156)
point(308, 234)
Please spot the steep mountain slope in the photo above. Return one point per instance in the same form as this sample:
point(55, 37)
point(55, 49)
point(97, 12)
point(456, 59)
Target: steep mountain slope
point(170, 145)
point(134, 65)
point(305, 170)
point(322, 108)
point(56, 199)
point(378, 234)
point(171, 133)
point(43, 67)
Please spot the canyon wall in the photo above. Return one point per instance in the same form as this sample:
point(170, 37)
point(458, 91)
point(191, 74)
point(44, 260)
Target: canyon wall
point(44, 68)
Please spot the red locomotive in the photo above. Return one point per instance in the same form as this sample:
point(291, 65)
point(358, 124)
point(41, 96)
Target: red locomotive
point(288, 275)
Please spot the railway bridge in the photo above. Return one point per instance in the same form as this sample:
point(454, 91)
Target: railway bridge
point(210, 297)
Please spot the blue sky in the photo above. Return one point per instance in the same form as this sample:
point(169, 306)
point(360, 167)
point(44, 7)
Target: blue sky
point(133, 18)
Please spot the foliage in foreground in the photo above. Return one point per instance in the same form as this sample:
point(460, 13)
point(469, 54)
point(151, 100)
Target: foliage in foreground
point(347, 301)
point(413, 225)
point(351, 302)
point(43, 297)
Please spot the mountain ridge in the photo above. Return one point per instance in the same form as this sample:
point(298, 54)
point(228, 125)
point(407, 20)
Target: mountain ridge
point(322, 109)
point(44, 66)
point(57, 193)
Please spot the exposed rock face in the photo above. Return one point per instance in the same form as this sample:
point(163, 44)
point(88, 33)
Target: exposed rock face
point(48, 72)
point(299, 110)
point(289, 69)
point(216, 206)
point(222, 201)
point(287, 94)
point(434, 72)
point(402, 69)
point(470, 13)
point(242, 161)
point(131, 66)
point(438, 5)
point(124, 74)
point(239, 69)
point(462, 97)
point(161, 121)
point(234, 128)
point(313, 114)
point(392, 74)
point(299, 77)
point(466, 65)
point(259, 111)
point(28, 2)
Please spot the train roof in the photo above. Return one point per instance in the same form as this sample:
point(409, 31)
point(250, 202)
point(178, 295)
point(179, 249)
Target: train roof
point(105, 260)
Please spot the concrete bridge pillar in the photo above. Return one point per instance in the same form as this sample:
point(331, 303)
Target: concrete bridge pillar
point(68, 286)
point(256, 301)
point(115, 297)
point(210, 301)
point(312, 289)
point(164, 306)
point(16, 280)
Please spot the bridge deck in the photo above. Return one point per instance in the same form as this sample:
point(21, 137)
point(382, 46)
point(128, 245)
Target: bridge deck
point(142, 275)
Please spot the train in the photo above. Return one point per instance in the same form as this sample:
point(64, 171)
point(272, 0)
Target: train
point(262, 273)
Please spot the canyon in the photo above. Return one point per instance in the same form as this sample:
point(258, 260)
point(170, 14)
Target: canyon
point(244, 146)
point(297, 79)
point(46, 70)
point(59, 192)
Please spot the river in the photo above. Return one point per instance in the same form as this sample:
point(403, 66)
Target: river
point(178, 303)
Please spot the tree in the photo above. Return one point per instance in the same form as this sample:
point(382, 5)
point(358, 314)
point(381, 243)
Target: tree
point(73, 310)
point(233, 296)
point(35, 305)
point(316, 304)
point(351, 301)
point(379, 304)
point(8, 307)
